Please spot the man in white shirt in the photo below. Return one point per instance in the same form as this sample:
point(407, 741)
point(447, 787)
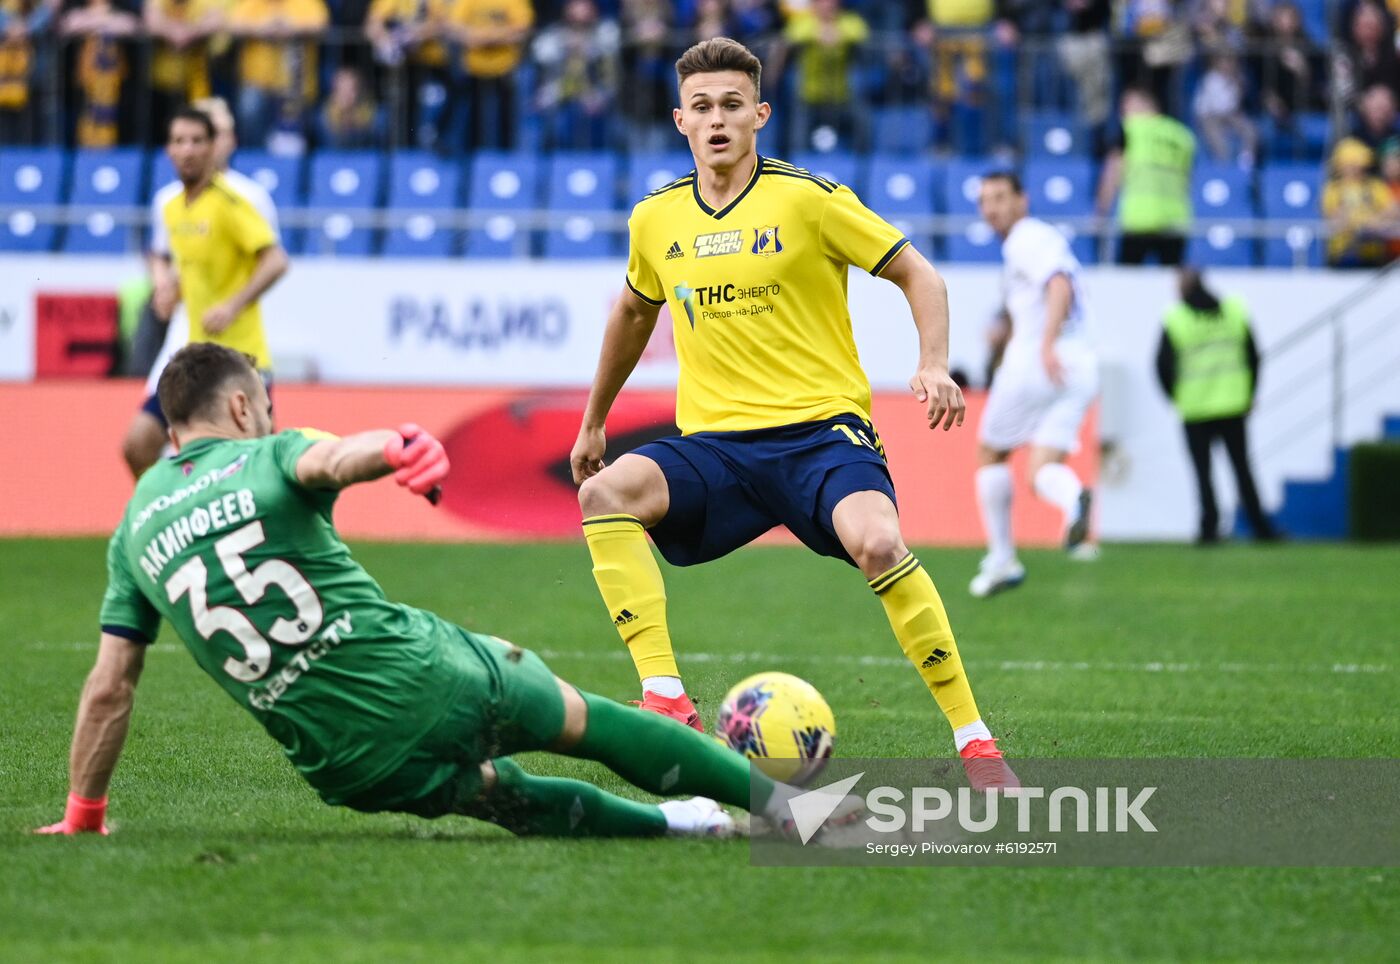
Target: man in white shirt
point(1046, 382)
point(146, 435)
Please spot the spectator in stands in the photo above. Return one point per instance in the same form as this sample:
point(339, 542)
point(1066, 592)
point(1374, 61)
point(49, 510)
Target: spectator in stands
point(1157, 43)
point(956, 32)
point(1367, 57)
point(1220, 25)
point(712, 20)
point(180, 58)
point(1209, 367)
point(1219, 110)
point(406, 37)
point(1359, 209)
point(754, 23)
point(823, 44)
point(1084, 53)
point(577, 77)
point(22, 22)
point(277, 69)
point(1390, 173)
point(1377, 120)
point(350, 119)
point(101, 68)
point(492, 35)
point(648, 89)
point(1288, 70)
point(1151, 164)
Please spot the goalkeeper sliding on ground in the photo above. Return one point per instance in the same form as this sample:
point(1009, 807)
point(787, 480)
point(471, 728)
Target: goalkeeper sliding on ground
point(379, 706)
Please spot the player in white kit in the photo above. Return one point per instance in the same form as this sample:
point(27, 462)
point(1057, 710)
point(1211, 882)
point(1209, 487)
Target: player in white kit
point(146, 435)
point(1047, 380)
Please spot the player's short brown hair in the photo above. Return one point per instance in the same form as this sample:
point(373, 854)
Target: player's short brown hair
point(1010, 178)
point(717, 54)
point(195, 377)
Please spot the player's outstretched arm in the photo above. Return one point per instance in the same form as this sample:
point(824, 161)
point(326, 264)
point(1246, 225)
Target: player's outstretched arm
point(927, 295)
point(104, 712)
point(629, 328)
point(417, 459)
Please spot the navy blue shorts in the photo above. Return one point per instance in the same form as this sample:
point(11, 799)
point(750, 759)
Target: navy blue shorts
point(151, 406)
point(728, 488)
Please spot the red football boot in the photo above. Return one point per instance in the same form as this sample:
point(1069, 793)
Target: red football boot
point(677, 708)
point(986, 769)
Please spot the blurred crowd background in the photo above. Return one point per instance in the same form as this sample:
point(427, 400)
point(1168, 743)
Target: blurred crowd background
point(1295, 82)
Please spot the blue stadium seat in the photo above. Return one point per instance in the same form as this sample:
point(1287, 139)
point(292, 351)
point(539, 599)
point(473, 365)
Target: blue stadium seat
point(342, 180)
point(1291, 193)
point(905, 129)
point(1305, 140)
point(902, 186)
point(505, 183)
point(1052, 135)
point(103, 180)
point(162, 171)
point(423, 181)
point(1060, 188)
point(587, 184)
point(976, 243)
point(279, 176)
point(962, 182)
point(1219, 245)
point(1221, 191)
point(838, 166)
point(30, 176)
point(648, 172)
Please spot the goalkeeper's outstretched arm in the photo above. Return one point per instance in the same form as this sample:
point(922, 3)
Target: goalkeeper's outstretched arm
point(104, 713)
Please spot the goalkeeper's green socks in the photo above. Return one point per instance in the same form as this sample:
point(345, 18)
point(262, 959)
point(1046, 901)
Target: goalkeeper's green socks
point(556, 807)
point(664, 757)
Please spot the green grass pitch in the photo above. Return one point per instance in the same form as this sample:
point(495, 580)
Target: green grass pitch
point(220, 853)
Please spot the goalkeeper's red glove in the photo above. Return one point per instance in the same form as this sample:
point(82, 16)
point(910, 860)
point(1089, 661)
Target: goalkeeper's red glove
point(81, 816)
point(418, 459)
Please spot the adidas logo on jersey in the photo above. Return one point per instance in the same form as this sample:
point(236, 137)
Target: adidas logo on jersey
point(674, 251)
point(623, 618)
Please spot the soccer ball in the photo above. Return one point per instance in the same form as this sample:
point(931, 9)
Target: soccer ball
point(781, 722)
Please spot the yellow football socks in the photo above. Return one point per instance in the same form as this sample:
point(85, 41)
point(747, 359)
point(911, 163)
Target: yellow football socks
point(630, 581)
point(920, 624)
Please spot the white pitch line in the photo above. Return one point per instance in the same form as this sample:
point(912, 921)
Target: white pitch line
point(850, 659)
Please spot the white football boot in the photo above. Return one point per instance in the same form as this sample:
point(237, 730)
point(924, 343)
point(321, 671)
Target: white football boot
point(698, 817)
point(993, 577)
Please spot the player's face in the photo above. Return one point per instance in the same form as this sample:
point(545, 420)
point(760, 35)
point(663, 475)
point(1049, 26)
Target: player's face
point(255, 415)
point(1000, 206)
point(720, 116)
point(190, 150)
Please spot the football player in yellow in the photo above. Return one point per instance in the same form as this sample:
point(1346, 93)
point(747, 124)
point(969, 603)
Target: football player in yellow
point(224, 252)
point(751, 254)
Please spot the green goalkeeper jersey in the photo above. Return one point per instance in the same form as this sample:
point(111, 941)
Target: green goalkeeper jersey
point(245, 563)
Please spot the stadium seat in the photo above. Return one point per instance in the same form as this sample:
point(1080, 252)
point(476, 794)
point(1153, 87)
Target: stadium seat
point(976, 243)
point(508, 185)
point(904, 129)
point(1306, 139)
point(1060, 188)
point(162, 171)
point(103, 181)
point(647, 172)
point(30, 176)
point(1052, 135)
point(341, 181)
point(1219, 245)
point(838, 166)
point(1221, 191)
point(962, 182)
point(422, 181)
point(586, 184)
point(279, 176)
point(1291, 193)
point(898, 187)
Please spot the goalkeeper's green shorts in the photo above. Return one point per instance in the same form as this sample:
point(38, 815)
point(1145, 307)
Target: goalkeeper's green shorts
point(515, 707)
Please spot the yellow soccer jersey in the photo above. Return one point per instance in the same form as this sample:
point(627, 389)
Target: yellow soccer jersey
point(214, 243)
point(758, 295)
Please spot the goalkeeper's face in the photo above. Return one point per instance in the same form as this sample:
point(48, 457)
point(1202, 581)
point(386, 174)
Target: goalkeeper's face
point(720, 116)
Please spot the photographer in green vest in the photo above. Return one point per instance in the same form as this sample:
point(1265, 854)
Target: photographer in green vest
point(1209, 368)
point(1151, 165)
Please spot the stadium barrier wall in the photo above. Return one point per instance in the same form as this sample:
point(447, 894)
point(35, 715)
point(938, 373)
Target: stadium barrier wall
point(510, 454)
point(516, 324)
